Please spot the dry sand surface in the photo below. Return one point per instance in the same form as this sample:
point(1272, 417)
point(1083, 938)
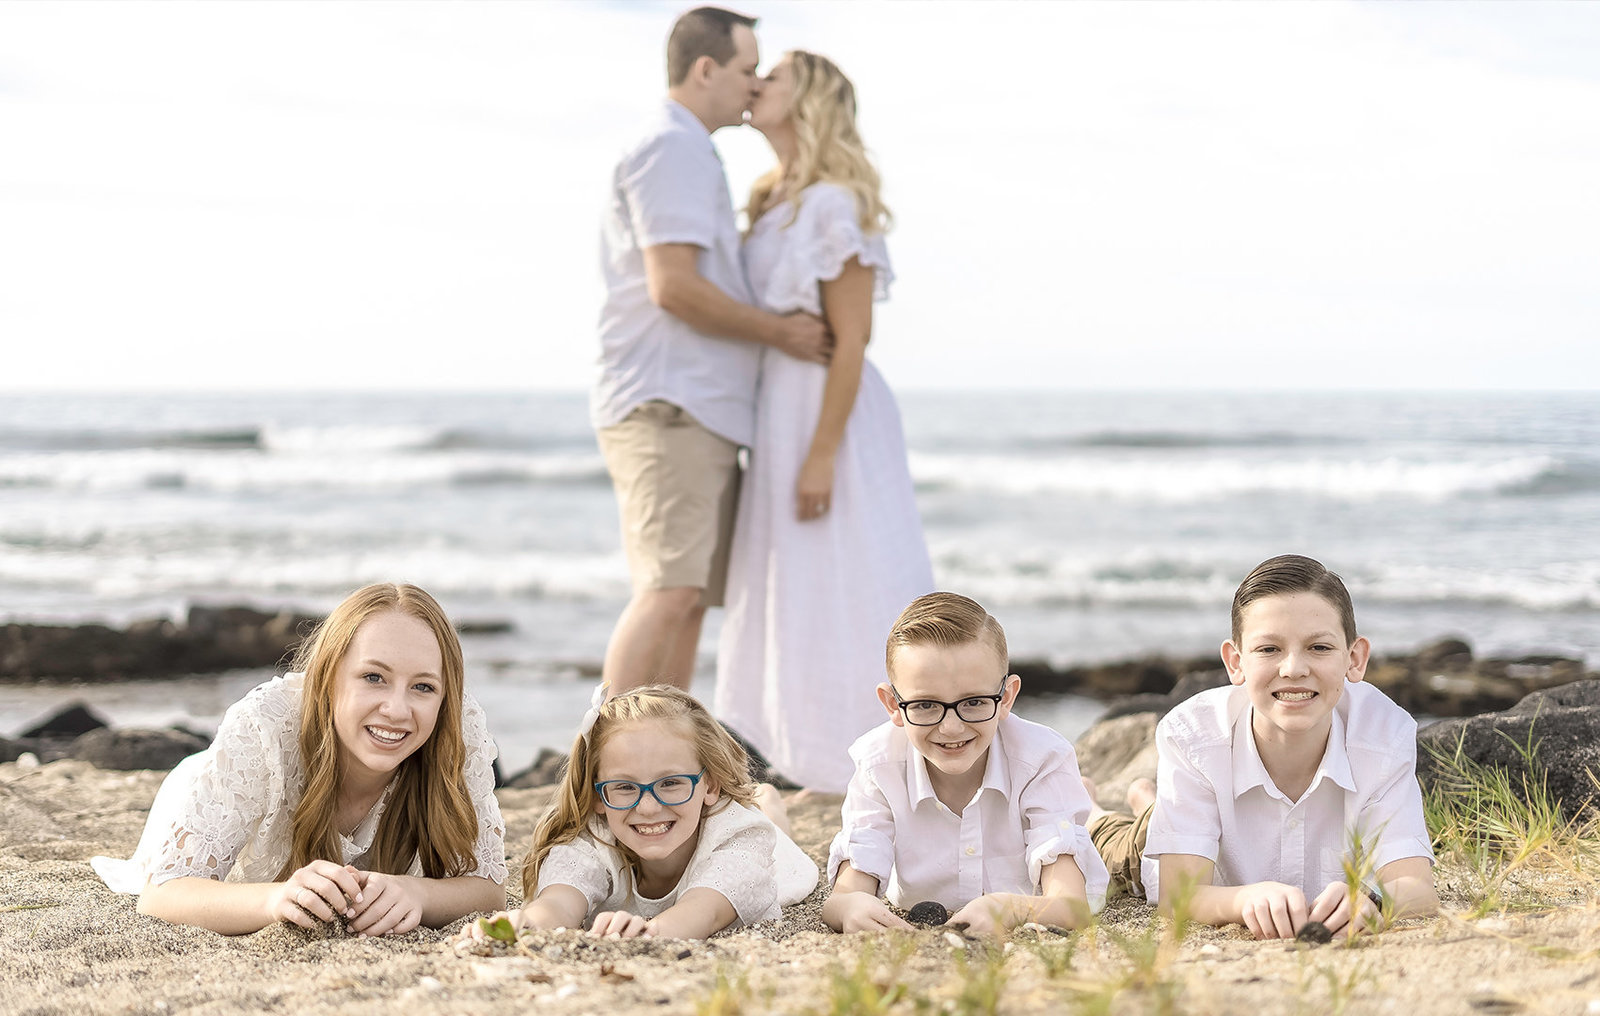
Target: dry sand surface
point(69, 945)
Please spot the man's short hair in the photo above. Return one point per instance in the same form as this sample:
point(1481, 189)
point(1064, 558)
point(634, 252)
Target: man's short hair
point(945, 619)
point(704, 31)
point(1292, 573)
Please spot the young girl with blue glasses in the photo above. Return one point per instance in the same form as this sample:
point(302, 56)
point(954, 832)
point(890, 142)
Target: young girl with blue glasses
point(656, 829)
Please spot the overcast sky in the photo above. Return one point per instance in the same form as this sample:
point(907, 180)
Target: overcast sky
point(1108, 195)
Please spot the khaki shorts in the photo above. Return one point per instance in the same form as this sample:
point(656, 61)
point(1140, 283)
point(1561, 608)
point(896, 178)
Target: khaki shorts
point(1119, 838)
point(677, 488)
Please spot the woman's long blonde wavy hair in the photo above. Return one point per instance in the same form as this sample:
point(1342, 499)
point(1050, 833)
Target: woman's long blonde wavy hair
point(575, 803)
point(828, 146)
point(430, 816)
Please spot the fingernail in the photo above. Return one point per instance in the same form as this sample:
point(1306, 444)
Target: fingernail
point(349, 911)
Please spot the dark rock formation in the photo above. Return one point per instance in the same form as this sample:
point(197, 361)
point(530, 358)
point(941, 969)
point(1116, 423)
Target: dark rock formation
point(135, 748)
point(547, 768)
point(69, 721)
point(210, 640)
point(1441, 679)
point(1562, 725)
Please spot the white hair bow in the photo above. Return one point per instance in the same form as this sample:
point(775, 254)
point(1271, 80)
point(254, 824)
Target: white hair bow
point(597, 700)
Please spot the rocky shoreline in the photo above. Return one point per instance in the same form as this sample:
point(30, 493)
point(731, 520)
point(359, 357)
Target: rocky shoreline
point(1497, 708)
point(1443, 678)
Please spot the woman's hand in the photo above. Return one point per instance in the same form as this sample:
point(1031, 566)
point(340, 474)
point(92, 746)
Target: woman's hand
point(621, 924)
point(318, 892)
point(393, 904)
point(813, 490)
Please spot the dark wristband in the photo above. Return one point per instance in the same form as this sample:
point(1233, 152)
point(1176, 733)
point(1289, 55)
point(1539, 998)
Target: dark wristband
point(1376, 895)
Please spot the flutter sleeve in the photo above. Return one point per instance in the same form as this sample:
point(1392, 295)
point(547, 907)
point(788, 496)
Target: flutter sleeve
point(584, 866)
point(490, 850)
point(739, 861)
point(824, 236)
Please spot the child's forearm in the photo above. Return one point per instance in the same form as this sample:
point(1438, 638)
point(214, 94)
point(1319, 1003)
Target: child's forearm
point(698, 913)
point(1412, 896)
point(1061, 911)
point(557, 906)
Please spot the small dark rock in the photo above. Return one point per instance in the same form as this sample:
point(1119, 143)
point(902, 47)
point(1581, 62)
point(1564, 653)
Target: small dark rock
point(685, 954)
point(69, 722)
point(928, 914)
point(1314, 933)
point(490, 626)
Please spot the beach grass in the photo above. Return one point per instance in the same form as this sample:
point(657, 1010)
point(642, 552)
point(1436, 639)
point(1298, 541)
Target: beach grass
point(1505, 834)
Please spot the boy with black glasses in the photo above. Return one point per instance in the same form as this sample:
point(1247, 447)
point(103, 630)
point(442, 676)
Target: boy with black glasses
point(956, 801)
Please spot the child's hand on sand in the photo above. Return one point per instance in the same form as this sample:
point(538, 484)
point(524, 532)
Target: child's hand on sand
point(983, 916)
point(1272, 909)
point(1335, 907)
point(858, 911)
point(392, 906)
point(621, 924)
point(320, 891)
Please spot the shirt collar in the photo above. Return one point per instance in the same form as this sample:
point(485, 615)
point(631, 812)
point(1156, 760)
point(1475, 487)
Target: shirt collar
point(995, 775)
point(680, 114)
point(1250, 772)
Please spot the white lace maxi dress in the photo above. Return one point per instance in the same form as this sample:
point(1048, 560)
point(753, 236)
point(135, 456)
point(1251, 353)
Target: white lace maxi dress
point(809, 604)
point(228, 812)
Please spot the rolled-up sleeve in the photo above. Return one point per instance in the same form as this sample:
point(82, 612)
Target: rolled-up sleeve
point(1055, 809)
point(866, 836)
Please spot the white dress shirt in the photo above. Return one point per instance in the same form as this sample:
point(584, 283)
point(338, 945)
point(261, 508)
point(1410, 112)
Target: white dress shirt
point(1215, 799)
point(1029, 811)
point(671, 188)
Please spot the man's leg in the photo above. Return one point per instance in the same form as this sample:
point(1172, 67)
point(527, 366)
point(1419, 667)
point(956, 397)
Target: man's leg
point(677, 489)
point(648, 644)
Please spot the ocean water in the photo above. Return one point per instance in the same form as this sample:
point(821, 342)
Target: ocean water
point(1097, 526)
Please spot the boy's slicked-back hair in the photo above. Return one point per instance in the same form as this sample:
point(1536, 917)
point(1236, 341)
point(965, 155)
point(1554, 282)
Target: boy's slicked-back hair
point(1292, 573)
point(945, 619)
point(704, 31)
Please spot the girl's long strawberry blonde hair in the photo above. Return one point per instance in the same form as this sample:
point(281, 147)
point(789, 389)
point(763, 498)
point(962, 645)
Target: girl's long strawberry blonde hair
point(430, 816)
point(726, 764)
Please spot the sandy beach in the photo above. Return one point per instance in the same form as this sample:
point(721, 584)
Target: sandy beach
point(69, 945)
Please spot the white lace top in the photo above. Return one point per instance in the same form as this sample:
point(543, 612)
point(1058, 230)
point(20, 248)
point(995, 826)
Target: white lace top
point(228, 812)
point(741, 855)
point(786, 263)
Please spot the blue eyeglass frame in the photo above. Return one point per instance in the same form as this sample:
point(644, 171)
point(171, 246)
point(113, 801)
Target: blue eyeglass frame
point(650, 788)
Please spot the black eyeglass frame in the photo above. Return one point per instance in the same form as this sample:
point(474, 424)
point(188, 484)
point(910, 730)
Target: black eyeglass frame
point(650, 788)
point(905, 705)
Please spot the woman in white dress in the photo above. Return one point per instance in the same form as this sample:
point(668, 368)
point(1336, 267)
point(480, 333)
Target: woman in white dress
point(828, 547)
point(360, 788)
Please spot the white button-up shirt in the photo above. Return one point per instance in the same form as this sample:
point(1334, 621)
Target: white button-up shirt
point(671, 188)
point(1030, 810)
point(1215, 798)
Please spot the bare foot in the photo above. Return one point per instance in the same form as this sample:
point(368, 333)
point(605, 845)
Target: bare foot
point(1141, 794)
point(771, 804)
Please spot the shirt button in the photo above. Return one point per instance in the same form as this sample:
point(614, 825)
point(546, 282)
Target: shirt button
point(971, 851)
